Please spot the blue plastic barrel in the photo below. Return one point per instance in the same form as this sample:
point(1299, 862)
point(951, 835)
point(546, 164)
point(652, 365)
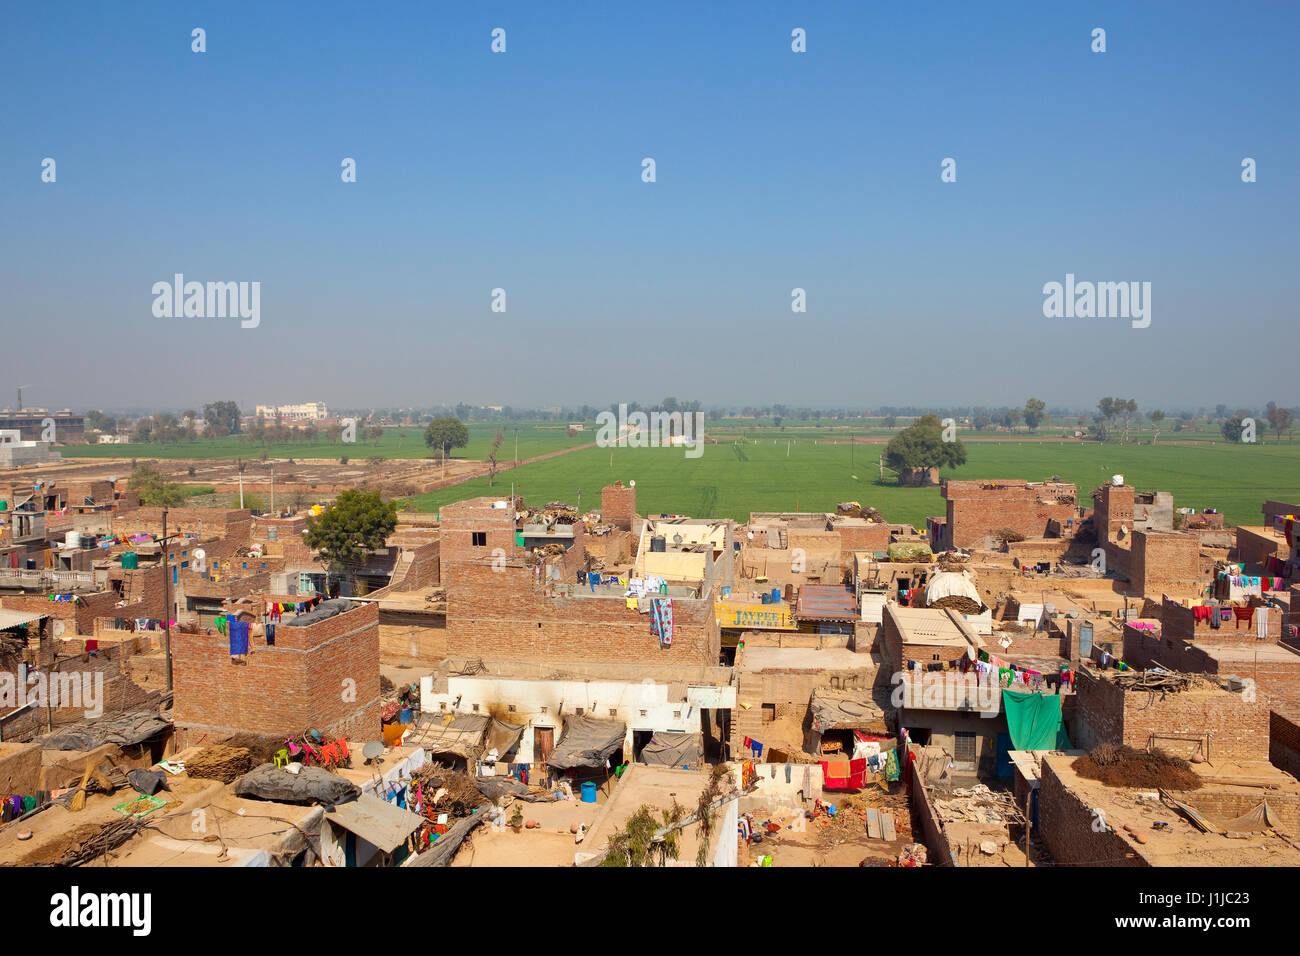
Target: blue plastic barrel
point(405, 715)
point(776, 595)
point(588, 792)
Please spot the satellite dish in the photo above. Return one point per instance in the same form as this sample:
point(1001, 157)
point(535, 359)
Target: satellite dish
point(59, 628)
point(372, 750)
point(631, 484)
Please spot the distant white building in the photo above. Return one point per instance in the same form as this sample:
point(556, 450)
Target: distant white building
point(305, 412)
point(15, 452)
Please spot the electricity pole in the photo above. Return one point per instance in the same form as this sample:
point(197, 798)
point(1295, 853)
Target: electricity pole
point(167, 604)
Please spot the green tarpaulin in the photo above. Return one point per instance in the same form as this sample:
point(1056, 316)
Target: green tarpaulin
point(1034, 721)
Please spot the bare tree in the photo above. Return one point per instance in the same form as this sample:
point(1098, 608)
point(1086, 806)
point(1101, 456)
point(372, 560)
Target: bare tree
point(494, 454)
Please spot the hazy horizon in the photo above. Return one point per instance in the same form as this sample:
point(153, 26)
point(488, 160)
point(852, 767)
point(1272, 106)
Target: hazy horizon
point(775, 170)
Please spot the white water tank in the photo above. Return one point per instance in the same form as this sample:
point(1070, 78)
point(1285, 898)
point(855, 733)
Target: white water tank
point(1117, 480)
point(73, 539)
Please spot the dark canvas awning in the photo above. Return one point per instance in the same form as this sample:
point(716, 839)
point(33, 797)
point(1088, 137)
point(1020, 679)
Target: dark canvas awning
point(125, 730)
point(667, 749)
point(465, 735)
point(846, 711)
point(587, 743)
point(502, 737)
point(461, 736)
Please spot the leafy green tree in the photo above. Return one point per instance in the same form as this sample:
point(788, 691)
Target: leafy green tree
point(225, 415)
point(1233, 427)
point(1279, 419)
point(921, 445)
point(446, 434)
point(156, 489)
point(1035, 413)
point(635, 844)
point(357, 523)
point(100, 422)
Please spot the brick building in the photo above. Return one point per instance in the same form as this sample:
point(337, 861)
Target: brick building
point(1220, 723)
point(618, 505)
point(977, 511)
point(1167, 562)
point(323, 676)
point(503, 603)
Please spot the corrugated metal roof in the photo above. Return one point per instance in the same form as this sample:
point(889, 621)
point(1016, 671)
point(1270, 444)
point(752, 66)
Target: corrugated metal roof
point(10, 619)
point(819, 602)
point(376, 821)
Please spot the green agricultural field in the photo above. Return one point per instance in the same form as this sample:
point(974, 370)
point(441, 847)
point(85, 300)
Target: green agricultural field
point(535, 438)
point(731, 480)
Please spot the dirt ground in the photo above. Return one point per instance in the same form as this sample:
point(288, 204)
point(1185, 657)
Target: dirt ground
point(398, 477)
point(1127, 767)
point(550, 844)
point(840, 840)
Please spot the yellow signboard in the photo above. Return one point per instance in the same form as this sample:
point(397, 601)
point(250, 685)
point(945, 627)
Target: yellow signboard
point(764, 617)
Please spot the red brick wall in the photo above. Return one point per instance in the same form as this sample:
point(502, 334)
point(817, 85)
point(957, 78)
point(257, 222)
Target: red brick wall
point(143, 590)
point(618, 505)
point(1114, 509)
point(975, 513)
point(870, 537)
point(1163, 561)
point(1071, 829)
point(119, 692)
point(425, 567)
point(293, 686)
point(297, 556)
point(1253, 547)
point(284, 527)
point(205, 522)
point(1238, 727)
point(460, 521)
point(507, 615)
point(1284, 743)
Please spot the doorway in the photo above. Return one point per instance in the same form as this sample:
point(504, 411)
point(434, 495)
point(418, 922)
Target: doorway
point(543, 744)
point(639, 739)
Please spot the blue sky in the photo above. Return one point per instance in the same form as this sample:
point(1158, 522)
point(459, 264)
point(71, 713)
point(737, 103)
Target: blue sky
point(775, 170)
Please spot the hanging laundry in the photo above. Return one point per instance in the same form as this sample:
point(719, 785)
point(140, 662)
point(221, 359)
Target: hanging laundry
point(239, 633)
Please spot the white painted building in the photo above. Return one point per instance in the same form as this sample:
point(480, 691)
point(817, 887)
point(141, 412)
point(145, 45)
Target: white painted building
point(15, 452)
point(645, 707)
point(304, 412)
